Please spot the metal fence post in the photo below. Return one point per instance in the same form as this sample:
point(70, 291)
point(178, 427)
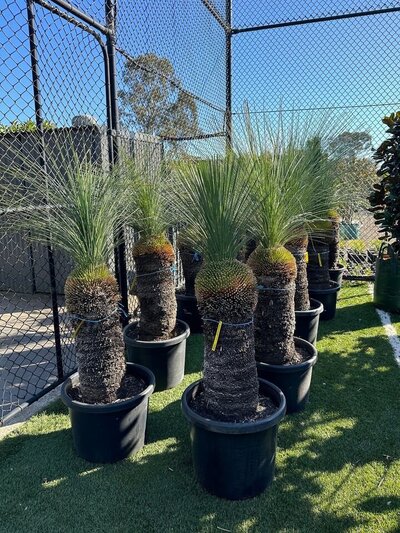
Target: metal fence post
point(228, 73)
point(39, 124)
point(120, 252)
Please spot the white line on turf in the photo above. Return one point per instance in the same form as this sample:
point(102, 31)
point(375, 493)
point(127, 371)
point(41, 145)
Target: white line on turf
point(389, 329)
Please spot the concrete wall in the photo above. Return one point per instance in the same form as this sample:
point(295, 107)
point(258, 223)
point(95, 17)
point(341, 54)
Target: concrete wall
point(23, 264)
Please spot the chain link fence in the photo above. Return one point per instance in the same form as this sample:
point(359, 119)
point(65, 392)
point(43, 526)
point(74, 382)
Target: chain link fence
point(161, 80)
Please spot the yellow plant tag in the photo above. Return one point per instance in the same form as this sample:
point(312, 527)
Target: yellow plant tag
point(214, 345)
point(75, 333)
point(319, 260)
point(306, 257)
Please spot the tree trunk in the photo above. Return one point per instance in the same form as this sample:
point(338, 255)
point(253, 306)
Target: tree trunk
point(99, 345)
point(155, 289)
point(226, 291)
point(191, 264)
point(334, 244)
point(299, 251)
point(318, 265)
point(274, 319)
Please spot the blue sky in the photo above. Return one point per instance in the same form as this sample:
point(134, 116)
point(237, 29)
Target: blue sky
point(348, 64)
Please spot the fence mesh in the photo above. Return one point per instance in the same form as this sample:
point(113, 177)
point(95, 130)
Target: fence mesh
point(176, 93)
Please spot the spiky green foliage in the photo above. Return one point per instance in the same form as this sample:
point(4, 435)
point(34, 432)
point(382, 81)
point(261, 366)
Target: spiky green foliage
point(148, 200)
point(213, 197)
point(294, 177)
point(75, 205)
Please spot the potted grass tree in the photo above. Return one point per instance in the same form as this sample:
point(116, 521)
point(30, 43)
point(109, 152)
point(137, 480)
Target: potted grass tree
point(76, 206)
point(323, 248)
point(336, 269)
point(233, 415)
point(191, 261)
point(279, 218)
point(158, 339)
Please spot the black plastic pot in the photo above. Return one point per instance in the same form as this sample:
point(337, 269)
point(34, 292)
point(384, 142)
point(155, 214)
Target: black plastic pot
point(307, 322)
point(105, 433)
point(328, 298)
point(336, 274)
point(234, 460)
point(166, 359)
point(188, 311)
point(387, 279)
point(293, 380)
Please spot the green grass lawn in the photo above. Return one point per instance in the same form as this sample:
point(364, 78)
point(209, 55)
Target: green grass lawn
point(338, 465)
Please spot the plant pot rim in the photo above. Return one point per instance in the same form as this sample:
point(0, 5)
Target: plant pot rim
point(130, 341)
point(334, 287)
point(316, 308)
point(339, 268)
point(108, 407)
point(291, 369)
point(236, 428)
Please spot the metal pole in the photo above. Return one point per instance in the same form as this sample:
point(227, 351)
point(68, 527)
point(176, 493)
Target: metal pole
point(120, 252)
point(81, 15)
point(39, 123)
point(228, 74)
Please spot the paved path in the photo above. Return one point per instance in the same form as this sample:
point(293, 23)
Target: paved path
point(27, 350)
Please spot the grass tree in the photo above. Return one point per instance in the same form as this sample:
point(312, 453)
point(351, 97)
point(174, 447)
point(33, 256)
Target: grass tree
point(214, 199)
point(76, 206)
point(324, 233)
point(153, 253)
point(287, 199)
point(191, 262)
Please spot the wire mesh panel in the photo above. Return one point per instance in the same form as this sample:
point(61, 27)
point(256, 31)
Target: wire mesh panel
point(58, 95)
point(171, 69)
point(37, 348)
point(340, 69)
point(163, 80)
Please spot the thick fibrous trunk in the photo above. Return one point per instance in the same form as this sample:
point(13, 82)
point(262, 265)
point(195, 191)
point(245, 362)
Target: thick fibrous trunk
point(318, 265)
point(274, 317)
point(191, 264)
point(98, 336)
point(334, 245)
point(226, 292)
point(155, 289)
point(299, 251)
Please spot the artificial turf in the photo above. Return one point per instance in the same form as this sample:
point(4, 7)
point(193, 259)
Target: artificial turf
point(338, 465)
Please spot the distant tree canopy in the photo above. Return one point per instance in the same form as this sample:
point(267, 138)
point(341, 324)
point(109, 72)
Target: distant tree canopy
point(349, 144)
point(356, 170)
point(152, 101)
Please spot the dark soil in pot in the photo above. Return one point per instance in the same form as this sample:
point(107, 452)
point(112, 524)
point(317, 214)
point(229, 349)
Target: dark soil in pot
point(166, 359)
point(293, 380)
point(307, 322)
point(234, 460)
point(336, 274)
point(105, 433)
point(188, 312)
point(328, 298)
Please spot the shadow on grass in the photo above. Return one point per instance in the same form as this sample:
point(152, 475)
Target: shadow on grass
point(155, 491)
point(349, 424)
